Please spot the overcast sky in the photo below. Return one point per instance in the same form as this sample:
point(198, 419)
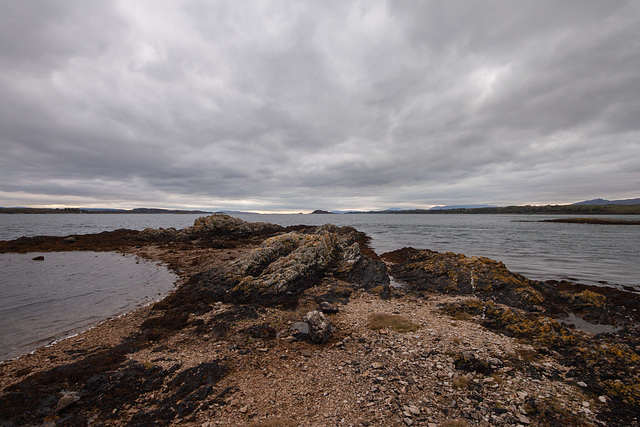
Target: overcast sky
point(294, 106)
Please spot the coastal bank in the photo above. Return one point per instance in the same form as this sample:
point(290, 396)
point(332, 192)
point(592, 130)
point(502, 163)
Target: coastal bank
point(299, 325)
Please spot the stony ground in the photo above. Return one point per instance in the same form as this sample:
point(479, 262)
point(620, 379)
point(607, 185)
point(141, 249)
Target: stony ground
point(248, 365)
point(360, 377)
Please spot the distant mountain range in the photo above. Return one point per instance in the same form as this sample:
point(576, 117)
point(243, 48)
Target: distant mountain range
point(594, 206)
point(436, 208)
point(588, 207)
point(609, 202)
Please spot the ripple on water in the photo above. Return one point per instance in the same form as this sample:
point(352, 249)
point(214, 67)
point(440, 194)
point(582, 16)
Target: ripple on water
point(68, 292)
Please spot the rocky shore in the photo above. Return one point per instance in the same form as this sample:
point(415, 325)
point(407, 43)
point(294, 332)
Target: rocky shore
point(299, 326)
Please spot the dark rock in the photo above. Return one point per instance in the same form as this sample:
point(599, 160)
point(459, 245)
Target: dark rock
point(320, 328)
point(66, 401)
point(265, 332)
point(328, 308)
point(211, 226)
point(189, 388)
point(467, 361)
point(38, 258)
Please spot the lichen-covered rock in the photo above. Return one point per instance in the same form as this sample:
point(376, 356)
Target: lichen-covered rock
point(285, 265)
point(320, 328)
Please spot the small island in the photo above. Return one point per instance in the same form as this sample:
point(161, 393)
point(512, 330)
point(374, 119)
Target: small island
point(603, 221)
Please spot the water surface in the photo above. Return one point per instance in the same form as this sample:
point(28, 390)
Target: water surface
point(69, 292)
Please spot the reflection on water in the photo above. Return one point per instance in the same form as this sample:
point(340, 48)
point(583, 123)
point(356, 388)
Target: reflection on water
point(591, 328)
point(68, 292)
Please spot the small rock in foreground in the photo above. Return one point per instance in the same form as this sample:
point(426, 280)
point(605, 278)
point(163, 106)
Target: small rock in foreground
point(320, 328)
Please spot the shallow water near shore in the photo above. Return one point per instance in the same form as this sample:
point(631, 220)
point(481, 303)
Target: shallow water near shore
point(68, 292)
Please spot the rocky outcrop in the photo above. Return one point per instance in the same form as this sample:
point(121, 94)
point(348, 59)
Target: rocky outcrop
point(457, 274)
point(282, 267)
point(208, 226)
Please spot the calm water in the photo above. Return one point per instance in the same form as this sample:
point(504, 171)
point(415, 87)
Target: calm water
point(68, 292)
point(591, 254)
point(587, 253)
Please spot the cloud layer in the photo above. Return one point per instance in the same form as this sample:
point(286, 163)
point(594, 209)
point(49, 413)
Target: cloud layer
point(283, 105)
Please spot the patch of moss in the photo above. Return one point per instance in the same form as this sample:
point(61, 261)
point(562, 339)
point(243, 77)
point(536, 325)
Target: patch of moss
point(392, 321)
point(461, 383)
point(377, 289)
point(345, 291)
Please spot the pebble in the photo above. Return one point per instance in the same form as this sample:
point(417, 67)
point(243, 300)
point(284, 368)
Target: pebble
point(408, 421)
point(414, 410)
point(523, 419)
point(66, 401)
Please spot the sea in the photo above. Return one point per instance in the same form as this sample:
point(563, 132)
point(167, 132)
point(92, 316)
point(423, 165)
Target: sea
point(65, 293)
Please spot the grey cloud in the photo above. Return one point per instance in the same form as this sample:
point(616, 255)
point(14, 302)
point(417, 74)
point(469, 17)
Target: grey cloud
point(289, 105)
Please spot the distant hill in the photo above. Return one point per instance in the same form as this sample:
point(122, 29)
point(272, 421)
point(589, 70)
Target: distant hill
point(610, 209)
point(162, 211)
point(96, 211)
point(609, 202)
point(320, 211)
point(235, 213)
point(435, 208)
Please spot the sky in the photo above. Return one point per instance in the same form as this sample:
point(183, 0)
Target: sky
point(290, 106)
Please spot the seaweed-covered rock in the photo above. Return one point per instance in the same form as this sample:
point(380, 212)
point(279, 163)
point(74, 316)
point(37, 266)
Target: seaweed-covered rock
point(426, 270)
point(457, 274)
point(159, 234)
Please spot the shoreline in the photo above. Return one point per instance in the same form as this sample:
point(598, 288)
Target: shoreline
point(239, 360)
